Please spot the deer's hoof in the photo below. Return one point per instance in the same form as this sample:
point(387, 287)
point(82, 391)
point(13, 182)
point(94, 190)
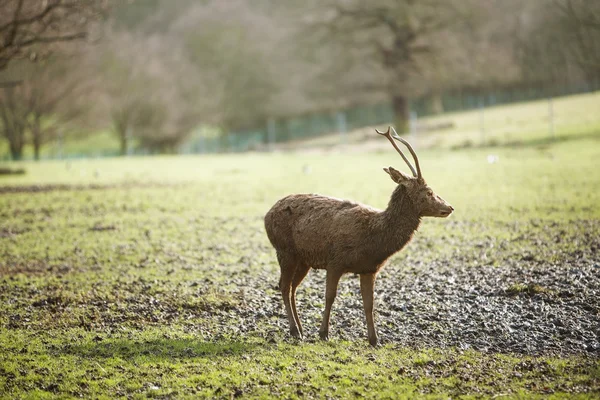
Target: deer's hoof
point(324, 335)
point(295, 333)
point(374, 342)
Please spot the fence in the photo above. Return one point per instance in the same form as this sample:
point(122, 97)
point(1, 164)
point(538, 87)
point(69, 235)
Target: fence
point(318, 124)
point(473, 99)
point(278, 130)
point(296, 128)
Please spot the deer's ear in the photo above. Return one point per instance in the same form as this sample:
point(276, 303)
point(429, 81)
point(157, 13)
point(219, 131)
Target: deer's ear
point(396, 175)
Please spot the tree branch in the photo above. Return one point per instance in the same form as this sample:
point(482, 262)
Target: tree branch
point(570, 12)
point(53, 39)
point(56, 21)
point(10, 84)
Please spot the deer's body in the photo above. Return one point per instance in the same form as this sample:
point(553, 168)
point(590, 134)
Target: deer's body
point(328, 233)
point(313, 231)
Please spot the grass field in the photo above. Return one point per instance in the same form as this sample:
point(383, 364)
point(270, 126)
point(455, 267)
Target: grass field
point(573, 117)
point(153, 277)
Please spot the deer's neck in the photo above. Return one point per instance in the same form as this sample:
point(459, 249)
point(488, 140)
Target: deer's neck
point(398, 222)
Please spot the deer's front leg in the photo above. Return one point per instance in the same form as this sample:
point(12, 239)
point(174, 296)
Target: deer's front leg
point(333, 278)
point(367, 283)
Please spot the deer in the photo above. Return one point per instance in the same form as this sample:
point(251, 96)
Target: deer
point(341, 236)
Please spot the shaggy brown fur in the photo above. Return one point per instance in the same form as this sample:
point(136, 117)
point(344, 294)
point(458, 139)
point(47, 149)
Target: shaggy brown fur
point(313, 231)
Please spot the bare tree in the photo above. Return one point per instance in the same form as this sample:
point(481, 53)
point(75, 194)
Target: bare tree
point(394, 39)
point(145, 89)
point(55, 90)
point(580, 20)
point(122, 85)
point(28, 27)
point(44, 101)
point(231, 45)
point(13, 114)
point(553, 42)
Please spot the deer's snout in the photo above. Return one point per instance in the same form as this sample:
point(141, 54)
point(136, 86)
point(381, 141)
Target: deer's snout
point(446, 211)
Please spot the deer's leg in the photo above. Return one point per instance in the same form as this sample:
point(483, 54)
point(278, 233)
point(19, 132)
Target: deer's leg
point(298, 278)
point(367, 283)
point(288, 269)
point(333, 277)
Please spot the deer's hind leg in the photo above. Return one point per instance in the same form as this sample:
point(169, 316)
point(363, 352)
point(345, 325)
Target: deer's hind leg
point(299, 276)
point(333, 277)
point(288, 264)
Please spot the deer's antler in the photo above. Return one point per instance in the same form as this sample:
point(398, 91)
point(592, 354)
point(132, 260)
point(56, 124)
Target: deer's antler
point(412, 152)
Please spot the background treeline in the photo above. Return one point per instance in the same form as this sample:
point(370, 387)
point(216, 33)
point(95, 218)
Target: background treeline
point(153, 71)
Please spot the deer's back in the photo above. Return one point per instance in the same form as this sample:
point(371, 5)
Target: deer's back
point(316, 228)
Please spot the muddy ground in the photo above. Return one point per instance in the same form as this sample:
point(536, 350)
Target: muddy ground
point(498, 301)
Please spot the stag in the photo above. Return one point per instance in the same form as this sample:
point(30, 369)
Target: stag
point(320, 232)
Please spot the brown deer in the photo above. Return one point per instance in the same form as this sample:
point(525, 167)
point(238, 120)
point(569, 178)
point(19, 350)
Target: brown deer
point(313, 231)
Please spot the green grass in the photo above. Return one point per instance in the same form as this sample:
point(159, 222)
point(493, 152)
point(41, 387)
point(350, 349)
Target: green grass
point(120, 289)
point(520, 124)
point(93, 144)
point(167, 363)
point(555, 181)
point(574, 117)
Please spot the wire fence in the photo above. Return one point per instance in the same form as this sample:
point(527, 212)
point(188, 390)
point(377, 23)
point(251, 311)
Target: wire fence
point(340, 122)
point(302, 127)
point(473, 99)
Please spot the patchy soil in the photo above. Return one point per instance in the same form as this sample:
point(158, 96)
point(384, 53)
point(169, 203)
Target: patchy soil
point(436, 305)
point(525, 309)
point(7, 189)
point(509, 304)
point(12, 171)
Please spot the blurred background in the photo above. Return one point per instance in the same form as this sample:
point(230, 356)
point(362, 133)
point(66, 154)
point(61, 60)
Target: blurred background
point(86, 78)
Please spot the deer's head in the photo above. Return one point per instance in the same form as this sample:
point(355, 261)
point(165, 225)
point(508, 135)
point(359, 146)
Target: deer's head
point(426, 201)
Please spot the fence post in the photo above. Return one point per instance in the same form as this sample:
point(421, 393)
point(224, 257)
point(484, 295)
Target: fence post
point(60, 144)
point(340, 119)
point(231, 142)
point(129, 136)
point(201, 146)
point(482, 119)
point(551, 117)
point(271, 134)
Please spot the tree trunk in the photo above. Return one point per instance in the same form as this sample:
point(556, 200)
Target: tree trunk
point(436, 106)
point(120, 122)
point(122, 131)
point(123, 140)
point(36, 151)
point(16, 150)
point(13, 125)
point(36, 132)
point(15, 134)
point(401, 113)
